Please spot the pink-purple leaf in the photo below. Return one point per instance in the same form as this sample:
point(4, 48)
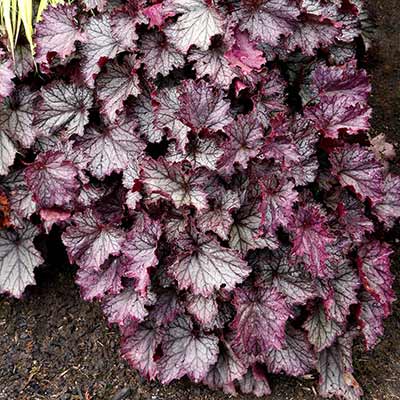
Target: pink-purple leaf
point(357, 168)
point(89, 242)
point(336, 371)
point(245, 233)
point(312, 34)
point(52, 179)
point(139, 349)
point(115, 85)
point(334, 115)
point(260, 320)
point(254, 382)
point(96, 284)
point(373, 262)
point(267, 21)
point(170, 182)
point(245, 137)
point(311, 238)
point(370, 316)
point(204, 309)
point(244, 54)
point(56, 33)
point(63, 107)
point(219, 220)
point(295, 358)
point(208, 267)
point(139, 249)
point(127, 306)
point(321, 331)
point(186, 352)
point(388, 209)
point(276, 269)
point(345, 286)
point(277, 199)
point(109, 149)
point(203, 107)
point(198, 22)
point(159, 54)
point(16, 116)
point(6, 76)
point(100, 45)
point(18, 259)
point(227, 369)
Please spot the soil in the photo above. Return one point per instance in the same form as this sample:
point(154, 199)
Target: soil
point(53, 345)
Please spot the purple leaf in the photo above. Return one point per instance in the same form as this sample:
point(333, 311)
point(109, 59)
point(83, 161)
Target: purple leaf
point(311, 34)
point(200, 153)
point(63, 106)
point(127, 306)
point(208, 267)
point(21, 204)
point(18, 259)
point(334, 115)
point(267, 21)
point(96, 284)
point(295, 358)
point(357, 168)
point(139, 349)
point(186, 352)
point(373, 262)
point(345, 285)
point(261, 315)
point(276, 269)
point(8, 150)
point(227, 369)
point(245, 137)
point(370, 317)
point(52, 180)
point(100, 45)
point(277, 202)
point(336, 371)
point(198, 22)
point(139, 249)
point(92, 4)
point(219, 219)
point(213, 64)
point(167, 114)
point(115, 85)
point(388, 209)
point(16, 116)
point(244, 54)
point(345, 81)
point(159, 55)
point(144, 110)
point(167, 307)
point(89, 242)
point(254, 382)
point(321, 331)
point(311, 238)
point(203, 107)
point(111, 148)
point(204, 309)
point(56, 33)
point(245, 233)
point(352, 217)
point(170, 182)
point(6, 76)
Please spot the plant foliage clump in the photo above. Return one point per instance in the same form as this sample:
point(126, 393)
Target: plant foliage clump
point(208, 168)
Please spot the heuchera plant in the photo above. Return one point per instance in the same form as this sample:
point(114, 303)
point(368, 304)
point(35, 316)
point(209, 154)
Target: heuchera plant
point(209, 167)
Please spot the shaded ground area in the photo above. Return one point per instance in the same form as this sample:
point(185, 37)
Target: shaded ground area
point(55, 346)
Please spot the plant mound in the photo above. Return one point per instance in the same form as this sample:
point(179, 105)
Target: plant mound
point(208, 168)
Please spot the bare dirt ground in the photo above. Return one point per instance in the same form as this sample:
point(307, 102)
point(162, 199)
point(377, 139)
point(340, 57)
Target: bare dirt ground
point(55, 346)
